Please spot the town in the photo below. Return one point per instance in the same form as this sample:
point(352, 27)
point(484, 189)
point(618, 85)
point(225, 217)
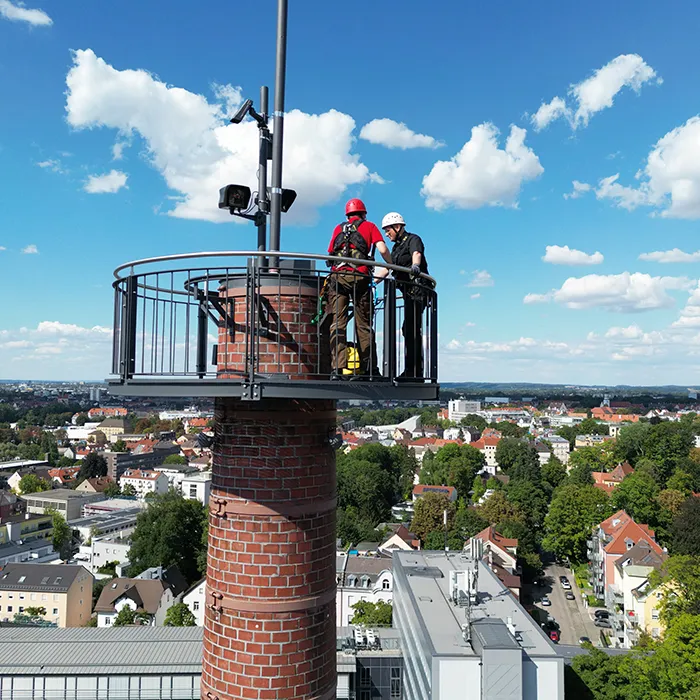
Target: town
point(585, 518)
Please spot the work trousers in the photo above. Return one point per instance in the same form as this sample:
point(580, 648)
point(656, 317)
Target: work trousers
point(412, 329)
point(343, 288)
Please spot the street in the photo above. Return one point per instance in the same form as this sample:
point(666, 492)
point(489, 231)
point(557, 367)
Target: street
point(572, 616)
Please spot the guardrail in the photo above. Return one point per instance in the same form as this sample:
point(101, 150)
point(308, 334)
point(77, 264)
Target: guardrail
point(246, 324)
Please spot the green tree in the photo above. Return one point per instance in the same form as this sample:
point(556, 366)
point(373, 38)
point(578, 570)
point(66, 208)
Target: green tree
point(629, 444)
point(112, 490)
point(668, 446)
point(478, 489)
point(81, 419)
point(472, 420)
point(35, 611)
point(508, 429)
point(467, 521)
point(530, 498)
point(581, 475)
point(553, 472)
point(31, 483)
point(372, 614)
point(128, 616)
point(685, 528)
point(682, 481)
point(62, 534)
point(428, 514)
point(573, 512)
point(128, 490)
point(568, 433)
point(637, 496)
point(366, 486)
point(591, 427)
point(119, 446)
point(507, 451)
point(497, 509)
point(92, 466)
point(435, 540)
point(179, 615)
point(174, 459)
point(169, 532)
point(204, 545)
point(460, 463)
point(679, 577)
point(591, 457)
point(526, 466)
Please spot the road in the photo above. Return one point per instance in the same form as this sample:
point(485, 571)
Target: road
point(572, 616)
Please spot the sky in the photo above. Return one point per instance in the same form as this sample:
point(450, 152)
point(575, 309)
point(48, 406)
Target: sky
point(548, 154)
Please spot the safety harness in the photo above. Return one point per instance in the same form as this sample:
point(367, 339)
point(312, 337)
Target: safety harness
point(349, 243)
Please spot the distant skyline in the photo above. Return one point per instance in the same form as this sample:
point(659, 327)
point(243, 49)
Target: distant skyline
point(548, 154)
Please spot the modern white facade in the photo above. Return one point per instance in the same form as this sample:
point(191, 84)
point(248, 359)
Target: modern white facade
point(195, 598)
point(104, 550)
point(144, 481)
point(459, 408)
point(197, 487)
point(364, 578)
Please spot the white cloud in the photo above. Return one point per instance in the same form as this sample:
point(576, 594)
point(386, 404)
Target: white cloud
point(69, 329)
point(676, 255)
point(19, 13)
point(625, 197)
point(53, 165)
point(387, 132)
point(480, 278)
point(563, 255)
point(624, 293)
point(31, 249)
point(469, 324)
point(597, 92)
point(475, 296)
point(190, 142)
point(109, 183)
point(481, 174)
point(580, 188)
point(2, 247)
point(629, 332)
point(548, 112)
point(690, 314)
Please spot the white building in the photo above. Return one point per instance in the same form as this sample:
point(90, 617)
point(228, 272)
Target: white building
point(197, 486)
point(148, 597)
point(175, 473)
point(364, 578)
point(194, 599)
point(560, 448)
point(459, 408)
point(80, 432)
point(144, 481)
point(107, 549)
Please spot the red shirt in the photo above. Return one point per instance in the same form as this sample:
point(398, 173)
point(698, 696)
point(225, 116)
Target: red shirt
point(369, 232)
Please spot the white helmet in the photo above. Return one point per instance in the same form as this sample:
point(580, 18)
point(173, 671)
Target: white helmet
point(392, 219)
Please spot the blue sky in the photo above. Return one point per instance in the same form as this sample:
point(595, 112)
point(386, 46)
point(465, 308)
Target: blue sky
point(113, 144)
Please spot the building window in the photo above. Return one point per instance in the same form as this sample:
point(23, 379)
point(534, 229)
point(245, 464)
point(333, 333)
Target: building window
point(365, 676)
point(193, 491)
point(386, 584)
point(10, 595)
point(44, 596)
point(55, 611)
point(9, 608)
point(33, 596)
point(195, 605)
point(365, 695)
point(654, 614)
point(55, 597)
point(22, 579)
point(395, 682)
point(21, 596)
point(108, 621)
point(21, 608)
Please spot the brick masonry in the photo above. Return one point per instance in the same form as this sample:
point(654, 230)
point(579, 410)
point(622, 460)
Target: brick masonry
point(270, 617)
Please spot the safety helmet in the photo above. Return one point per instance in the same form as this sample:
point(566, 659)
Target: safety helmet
point(392, 219)
point(355, 206)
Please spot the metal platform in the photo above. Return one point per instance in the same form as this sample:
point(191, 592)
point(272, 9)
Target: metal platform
point(245, 330)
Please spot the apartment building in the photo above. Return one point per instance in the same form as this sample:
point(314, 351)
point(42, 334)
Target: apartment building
point(144, 481)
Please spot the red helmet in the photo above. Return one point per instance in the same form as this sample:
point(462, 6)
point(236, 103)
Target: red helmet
point(355, 206)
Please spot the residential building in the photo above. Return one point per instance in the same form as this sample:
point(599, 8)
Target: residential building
point(96, 484)
point(36, 551)
point(420, 491)
point(37, 467)
point(10, 505)
point(143, 456)
point(106, 549)
point(590, 440)
point(112, 427)
point(544, 452)
point(501, 556)
point(65, 476)
point(458, 409)
point(398, 536)
point(197, 487)
point(26, 527)
point(145, 596)
point(121, 523)
point(364, 578)
point(464, 635)
point(607, 481)
point(560, 448)
point(611, 540)
point(144, 481)
point(65, 591)
point(487, 445)
point(67, 502)
point(195, 599)
point(107, 412)
point(175, 473)
point(113, 506)
point(75, 433)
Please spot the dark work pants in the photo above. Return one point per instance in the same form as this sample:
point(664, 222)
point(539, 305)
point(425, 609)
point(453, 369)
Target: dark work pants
point(412, 330)
point(343, 288)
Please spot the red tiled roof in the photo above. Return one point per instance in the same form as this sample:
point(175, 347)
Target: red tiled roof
point(632, 532)
point(489, 534)
point(146, 474)
point(419, 490)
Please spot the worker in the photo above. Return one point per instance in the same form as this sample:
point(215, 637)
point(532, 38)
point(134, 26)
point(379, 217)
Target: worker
point(354, 238)
point(408, 251)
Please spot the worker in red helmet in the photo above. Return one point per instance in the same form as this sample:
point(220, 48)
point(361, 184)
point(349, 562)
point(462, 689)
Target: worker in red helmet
point(354, 238)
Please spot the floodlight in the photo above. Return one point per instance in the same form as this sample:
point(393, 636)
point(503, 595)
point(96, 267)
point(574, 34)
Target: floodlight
point(288, 197)
point(234, 197)
point(239, 116)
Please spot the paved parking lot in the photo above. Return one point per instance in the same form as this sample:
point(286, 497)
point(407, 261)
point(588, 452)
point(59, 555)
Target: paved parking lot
point(572, 616)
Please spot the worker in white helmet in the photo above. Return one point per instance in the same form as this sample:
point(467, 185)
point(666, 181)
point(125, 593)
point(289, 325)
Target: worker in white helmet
point(409, 252)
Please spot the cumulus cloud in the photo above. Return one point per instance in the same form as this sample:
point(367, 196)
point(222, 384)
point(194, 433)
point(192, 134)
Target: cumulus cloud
point(31, 249)
point(19, 13)
point(624, 293)
point(110, 182)
point(675, 255)
point(2, 247)
point(190, 142)
point(563, 255)
point(624, 197)
point(475, 296)
point(480, 278)
point(580, 188)
point(690, 314)
point(53, 165)
point(387, 132)
point(482, 174)
point(596, 93)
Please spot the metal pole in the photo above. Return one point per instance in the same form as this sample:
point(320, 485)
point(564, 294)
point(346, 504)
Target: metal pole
point(263, 203)
point(278, 133)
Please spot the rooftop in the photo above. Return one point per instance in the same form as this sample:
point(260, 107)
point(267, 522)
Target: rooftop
point(426, 577)
point(60, 495)
point(57, 578)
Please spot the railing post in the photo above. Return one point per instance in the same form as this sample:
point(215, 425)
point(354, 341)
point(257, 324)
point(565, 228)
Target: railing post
point(389, 328)
point(117, 329)
point(128, 334)
point(202, 322)
point(433, 337)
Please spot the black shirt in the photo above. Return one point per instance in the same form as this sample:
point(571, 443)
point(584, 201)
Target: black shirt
point(402, 254)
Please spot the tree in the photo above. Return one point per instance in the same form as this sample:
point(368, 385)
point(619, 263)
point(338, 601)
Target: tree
point(367, 487)
point(573, 512)
point(507, 451)
point(467, 522)
point(129, 490)
point(92, 466)
point(112, 490)
point(478, 489)
point(526, 466)
point(590, 457)
point(682, 481)
point(581, 475)
point(35, 611)
point(679, 579)
point(62, 534)
point(497, 509)
point(553, 472)
point(637, 496)
point(472, 420)
point(81, 419)
point(31, 483)
point(530, 498)
point(435, 540)
point(668, 446)
point(175, 459)
point(508, 429)
point(685, 528)
point(629, 444)
point(128, 616)
point(428, 514)
point(568, 433)
point(370, 614)
point(119, 446)
point(169, 532)
point(591, 427)
point(179, 615)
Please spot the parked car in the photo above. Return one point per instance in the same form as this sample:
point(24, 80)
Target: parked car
point(563, 579)
point(584, 640)
point(602, 613)
point(554, 635)
point(602, 622)
point(545, 601)
point(569, 595)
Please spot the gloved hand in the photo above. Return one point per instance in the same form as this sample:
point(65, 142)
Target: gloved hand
point(415, 270)
point(329, 263)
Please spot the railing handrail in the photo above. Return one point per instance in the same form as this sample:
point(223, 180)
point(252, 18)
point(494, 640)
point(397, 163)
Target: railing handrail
point(265, 253)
